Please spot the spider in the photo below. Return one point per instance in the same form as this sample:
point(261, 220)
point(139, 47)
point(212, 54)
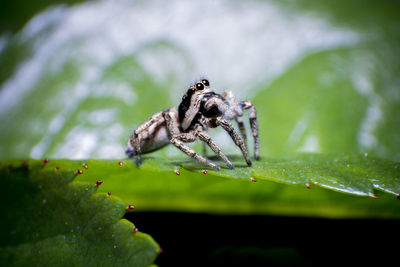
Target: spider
point(200, 109)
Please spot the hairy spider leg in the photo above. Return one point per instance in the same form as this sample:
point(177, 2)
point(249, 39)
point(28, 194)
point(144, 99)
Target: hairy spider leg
point(238, 110)
point(242, 129)
point(203, 136)
point(235, 137)
point(253, 124)
point(191, 153)
point(142, 132)
point(178, 139)
point(136, 144)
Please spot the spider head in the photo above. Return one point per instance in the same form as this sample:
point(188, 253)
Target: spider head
point(201, 85)
point(191, 101)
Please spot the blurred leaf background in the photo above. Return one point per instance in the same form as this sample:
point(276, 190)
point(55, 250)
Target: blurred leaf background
point(77, 78)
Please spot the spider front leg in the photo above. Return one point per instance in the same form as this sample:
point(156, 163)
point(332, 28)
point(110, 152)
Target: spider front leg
point(253, 124)
point(191, 153)
point(235, 137)
point(177, 140)
point(203, 136)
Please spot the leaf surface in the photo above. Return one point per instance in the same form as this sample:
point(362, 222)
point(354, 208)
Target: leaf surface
point(50, 219)
point(344, 186)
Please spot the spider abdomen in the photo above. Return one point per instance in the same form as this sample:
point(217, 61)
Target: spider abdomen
point(152, 134)
point(155, 140)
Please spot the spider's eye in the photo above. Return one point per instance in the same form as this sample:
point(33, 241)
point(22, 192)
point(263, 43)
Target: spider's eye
point(199, 86)
point(205, 82)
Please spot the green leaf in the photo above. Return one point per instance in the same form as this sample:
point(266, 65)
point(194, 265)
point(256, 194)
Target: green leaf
point(319, 107)
point(50, 219)
point(345, 186)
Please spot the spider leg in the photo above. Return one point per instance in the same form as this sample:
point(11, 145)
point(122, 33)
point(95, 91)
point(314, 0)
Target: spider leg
point(235, 137)
point(134, 149)
point(253, 124)
point(177, 140)
point(140, 136)
point(242, 129)
point(191, 153)
point(203, 136)
point(136, 144)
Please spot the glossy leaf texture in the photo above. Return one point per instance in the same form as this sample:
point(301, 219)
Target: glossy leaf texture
point(331, 102)
point(48, 218)
point(341, 186)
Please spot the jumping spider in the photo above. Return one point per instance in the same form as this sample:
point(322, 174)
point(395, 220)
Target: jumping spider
point(200, 109)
